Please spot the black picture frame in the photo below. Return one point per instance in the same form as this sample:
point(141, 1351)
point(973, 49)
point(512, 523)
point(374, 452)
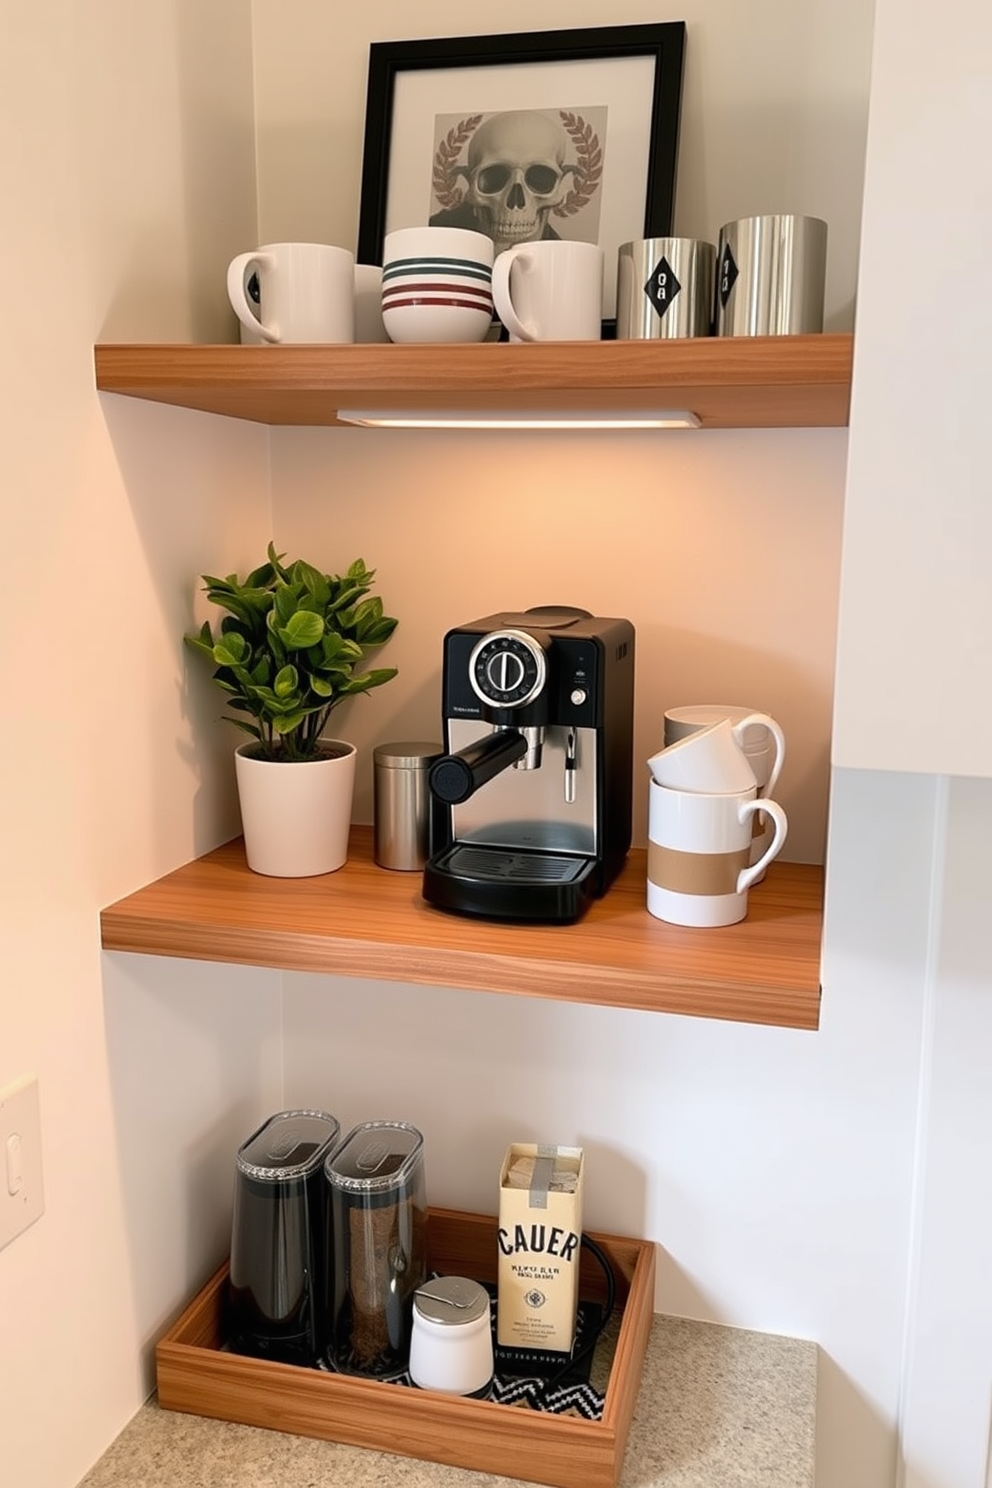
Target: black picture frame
point(658, 96)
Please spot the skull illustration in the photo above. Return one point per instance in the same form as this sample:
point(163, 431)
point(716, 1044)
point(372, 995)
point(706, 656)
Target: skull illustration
point(517, 175)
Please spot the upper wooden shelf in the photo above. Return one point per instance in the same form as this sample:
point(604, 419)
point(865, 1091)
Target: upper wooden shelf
point(366, 921)
point(728, 382)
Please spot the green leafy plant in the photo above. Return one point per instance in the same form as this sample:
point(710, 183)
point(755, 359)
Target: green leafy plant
point(286, 651)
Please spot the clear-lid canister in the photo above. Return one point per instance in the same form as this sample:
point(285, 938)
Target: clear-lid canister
point(290, 1144)
point(378, 1206)
point(279, 1239)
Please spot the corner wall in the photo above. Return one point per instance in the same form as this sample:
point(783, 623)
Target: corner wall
point(127, 180)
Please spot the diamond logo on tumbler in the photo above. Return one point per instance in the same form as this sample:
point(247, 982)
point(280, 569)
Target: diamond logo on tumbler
point(772, 276)
point(665, 289)
point(728, 274)
point(662, 287)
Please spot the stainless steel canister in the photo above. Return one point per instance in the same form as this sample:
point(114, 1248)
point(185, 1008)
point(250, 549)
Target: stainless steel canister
point(771, 274)
point(665, 289)
point(402, 804)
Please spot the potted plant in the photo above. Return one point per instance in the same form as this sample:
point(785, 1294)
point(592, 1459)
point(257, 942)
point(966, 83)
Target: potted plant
point(286, 655)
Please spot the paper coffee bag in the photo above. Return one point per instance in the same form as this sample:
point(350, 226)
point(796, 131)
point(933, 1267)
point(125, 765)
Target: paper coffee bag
point(540, 1237)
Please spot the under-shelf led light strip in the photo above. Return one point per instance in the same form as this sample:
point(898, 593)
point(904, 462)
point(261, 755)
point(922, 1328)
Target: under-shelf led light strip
point(444, 418)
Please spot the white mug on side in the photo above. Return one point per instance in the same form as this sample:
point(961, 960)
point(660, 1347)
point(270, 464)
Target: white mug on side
point(306, 293)
point(550, 291)
point(713, 758)
point(764, 750)
point(699, 844)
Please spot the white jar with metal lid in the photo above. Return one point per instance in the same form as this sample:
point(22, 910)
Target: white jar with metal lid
point(451, 1346)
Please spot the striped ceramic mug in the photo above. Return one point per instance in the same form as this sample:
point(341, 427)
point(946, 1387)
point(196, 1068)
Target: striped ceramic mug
point(437, 284)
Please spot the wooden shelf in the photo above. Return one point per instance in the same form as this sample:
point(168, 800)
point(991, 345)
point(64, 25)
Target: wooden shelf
point(729, 382)
point(365, 921)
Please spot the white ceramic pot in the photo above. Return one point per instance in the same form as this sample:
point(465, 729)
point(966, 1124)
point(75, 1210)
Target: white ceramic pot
point(296, 815)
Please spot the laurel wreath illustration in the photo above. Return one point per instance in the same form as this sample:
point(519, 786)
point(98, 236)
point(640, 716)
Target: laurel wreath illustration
point(587, 172)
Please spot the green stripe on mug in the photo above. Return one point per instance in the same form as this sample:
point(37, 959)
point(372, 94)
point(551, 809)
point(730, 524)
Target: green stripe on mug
point(468, 267)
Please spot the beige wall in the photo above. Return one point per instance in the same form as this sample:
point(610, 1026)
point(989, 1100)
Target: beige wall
point(127, 180)
point(773, 118)
point(725, 562)
point(722, 549)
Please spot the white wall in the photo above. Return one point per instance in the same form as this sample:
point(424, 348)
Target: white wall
point(915, 622)
point(948, 1373)
point(127, 181)
point(774, 1168)
point(917, 598)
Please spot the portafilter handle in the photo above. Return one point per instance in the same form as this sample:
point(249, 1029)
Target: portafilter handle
point(456, 777)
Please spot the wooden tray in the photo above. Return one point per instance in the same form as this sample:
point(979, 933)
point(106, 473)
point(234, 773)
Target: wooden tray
point(197, 1375)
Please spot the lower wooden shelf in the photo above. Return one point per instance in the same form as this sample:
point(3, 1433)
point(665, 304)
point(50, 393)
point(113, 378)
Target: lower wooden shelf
point(366, 921)
point(198, 1375)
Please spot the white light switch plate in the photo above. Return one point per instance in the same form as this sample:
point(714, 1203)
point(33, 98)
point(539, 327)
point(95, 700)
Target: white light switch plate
point(22, 1194)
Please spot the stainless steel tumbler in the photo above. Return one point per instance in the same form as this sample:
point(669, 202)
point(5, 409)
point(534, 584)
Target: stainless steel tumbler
point(771, 275)
point(402, 804)
point(665, 289)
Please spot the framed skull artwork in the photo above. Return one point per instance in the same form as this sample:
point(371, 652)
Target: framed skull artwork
point(541, 134)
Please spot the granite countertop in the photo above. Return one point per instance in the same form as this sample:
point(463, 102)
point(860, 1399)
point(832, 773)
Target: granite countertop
point(717, 1408)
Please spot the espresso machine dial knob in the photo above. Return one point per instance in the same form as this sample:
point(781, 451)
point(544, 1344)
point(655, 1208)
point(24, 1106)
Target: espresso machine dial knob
point(508, 669)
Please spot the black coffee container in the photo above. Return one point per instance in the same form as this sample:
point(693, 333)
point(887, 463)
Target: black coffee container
point(375, 1180)
point(279, 1239)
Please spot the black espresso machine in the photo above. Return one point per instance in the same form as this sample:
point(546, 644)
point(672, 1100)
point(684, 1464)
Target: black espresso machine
point(531, 800)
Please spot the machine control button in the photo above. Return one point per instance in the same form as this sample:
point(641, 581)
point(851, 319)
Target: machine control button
point(578, 696)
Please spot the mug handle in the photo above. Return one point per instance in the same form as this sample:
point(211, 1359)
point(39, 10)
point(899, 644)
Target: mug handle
point(747, 876)
point(777, 735)
point(501, 291)
point(239, 271)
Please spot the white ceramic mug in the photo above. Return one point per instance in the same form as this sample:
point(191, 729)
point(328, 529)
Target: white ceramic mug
point(306, 292)
point(699, 845)
point(713, 758)
point(550, 291)
point(437, 284)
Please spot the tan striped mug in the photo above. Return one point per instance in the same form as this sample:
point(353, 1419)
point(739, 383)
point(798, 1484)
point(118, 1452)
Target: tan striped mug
point(699, 844)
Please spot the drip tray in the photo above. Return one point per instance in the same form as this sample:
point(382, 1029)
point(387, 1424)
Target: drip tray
point(506, 865)
point(510, 883)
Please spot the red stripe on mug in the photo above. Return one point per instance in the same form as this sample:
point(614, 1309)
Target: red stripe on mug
point(395, 302)
point(406, 287)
